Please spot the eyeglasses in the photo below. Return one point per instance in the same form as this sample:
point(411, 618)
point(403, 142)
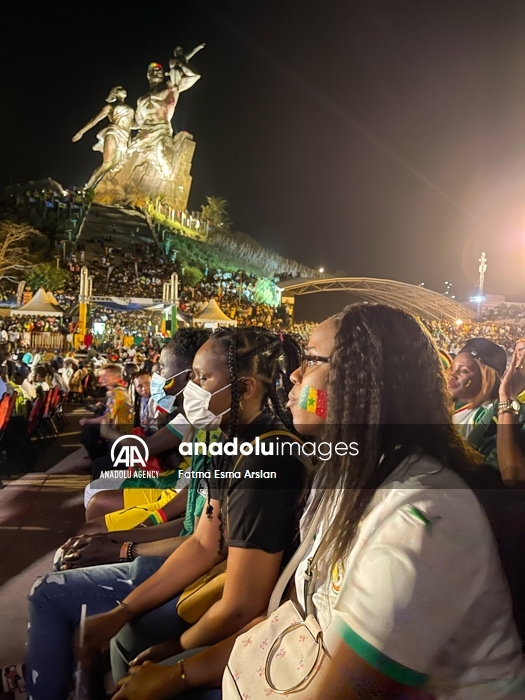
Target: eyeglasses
point(308, 361)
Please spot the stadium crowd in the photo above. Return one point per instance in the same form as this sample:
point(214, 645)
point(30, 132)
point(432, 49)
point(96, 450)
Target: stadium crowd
point(414, 535)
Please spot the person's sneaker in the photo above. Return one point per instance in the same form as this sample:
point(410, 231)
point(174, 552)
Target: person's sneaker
point(12, 683)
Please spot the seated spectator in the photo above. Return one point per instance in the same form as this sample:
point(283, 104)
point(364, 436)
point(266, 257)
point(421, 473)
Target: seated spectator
point(500, 434)
point(145, 413)
point(40, 379)
point(105, 496)
point(474, 379)
point(118, 412)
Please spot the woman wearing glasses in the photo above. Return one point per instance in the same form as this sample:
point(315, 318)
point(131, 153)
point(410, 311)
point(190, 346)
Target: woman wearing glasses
point(409, 591)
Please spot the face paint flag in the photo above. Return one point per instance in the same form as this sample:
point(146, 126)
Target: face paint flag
point(313, 401)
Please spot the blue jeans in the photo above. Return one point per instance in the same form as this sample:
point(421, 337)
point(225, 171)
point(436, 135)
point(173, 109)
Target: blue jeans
point(54, 614)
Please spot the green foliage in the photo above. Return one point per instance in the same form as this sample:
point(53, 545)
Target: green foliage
point(267, 292)
point(47, 275)
point(191, 276)
point(215, 212)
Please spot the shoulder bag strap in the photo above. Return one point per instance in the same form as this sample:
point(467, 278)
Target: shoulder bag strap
point(290, 569)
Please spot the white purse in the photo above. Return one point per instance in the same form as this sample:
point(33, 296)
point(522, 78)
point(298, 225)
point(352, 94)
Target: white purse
point(281, 655)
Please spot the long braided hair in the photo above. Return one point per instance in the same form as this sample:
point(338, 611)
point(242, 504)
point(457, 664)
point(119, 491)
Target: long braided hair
point(387, 392)
point(268, 357)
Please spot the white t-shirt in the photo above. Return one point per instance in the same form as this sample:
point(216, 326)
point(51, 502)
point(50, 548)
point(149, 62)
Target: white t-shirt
point(423, 598)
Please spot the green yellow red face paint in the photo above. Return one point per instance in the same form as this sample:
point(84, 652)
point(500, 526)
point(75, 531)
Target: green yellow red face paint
point(313, 401)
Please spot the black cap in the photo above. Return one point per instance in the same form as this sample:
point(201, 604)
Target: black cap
point(487, 352)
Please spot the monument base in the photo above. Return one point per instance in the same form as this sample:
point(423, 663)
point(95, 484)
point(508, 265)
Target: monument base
point(138, 179)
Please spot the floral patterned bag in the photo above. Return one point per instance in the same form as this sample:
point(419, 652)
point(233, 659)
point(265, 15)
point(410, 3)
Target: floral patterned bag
point(284, 653)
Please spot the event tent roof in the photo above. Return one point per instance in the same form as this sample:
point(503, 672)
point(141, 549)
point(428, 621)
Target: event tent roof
point(415, 299)
point(39, 305)
point(212, 316)
point(52, 299)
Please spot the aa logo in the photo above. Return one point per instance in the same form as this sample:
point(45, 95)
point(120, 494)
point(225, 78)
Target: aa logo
point(130, 456)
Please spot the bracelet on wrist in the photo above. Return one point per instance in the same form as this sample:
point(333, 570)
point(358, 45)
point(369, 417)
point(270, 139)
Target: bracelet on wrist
point(125, 607)
point(126, 552)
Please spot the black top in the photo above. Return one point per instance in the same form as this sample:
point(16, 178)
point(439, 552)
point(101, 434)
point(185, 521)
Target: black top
point(261, 512)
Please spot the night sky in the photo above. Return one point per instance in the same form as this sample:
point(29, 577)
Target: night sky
point(382, 138)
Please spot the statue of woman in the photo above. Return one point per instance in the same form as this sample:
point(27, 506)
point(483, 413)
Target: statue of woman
point(114, 139)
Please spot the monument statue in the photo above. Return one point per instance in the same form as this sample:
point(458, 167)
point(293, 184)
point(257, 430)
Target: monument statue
point(155, 110)
point(114, 139)
point(154, 161)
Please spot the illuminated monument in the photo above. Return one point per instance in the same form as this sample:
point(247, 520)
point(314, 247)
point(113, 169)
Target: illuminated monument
point(153, 162)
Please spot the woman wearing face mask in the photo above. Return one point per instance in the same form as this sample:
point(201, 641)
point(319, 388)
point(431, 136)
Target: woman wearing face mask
point(408, 588)
point(109, 508)
point(236, 375)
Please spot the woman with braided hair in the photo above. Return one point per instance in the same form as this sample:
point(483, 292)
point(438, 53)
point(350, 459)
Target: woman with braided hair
point(252, 516)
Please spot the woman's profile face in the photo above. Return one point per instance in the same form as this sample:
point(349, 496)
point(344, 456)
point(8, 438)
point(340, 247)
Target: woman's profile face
point(210, 373)
point(307, 399)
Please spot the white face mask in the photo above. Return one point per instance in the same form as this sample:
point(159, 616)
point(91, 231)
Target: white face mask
point(196, 407)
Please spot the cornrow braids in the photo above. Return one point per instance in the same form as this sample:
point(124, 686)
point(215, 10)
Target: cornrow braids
point(235, 394)
point(265, 355)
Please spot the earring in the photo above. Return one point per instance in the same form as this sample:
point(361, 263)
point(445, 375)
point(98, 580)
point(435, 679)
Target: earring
point(240, 405)
point(468, 383)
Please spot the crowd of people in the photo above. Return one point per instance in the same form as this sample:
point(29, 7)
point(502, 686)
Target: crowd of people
point(379, 569)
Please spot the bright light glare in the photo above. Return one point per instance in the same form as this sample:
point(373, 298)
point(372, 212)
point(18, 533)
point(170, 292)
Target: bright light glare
point(458, 322)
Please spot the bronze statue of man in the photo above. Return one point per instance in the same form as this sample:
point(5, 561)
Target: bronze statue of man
point(155, 109)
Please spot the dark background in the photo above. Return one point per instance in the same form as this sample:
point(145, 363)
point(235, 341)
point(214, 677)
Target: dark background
point(382, 138)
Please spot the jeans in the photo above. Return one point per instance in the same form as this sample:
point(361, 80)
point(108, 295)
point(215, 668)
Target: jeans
point(54, 614)
point(154, 627)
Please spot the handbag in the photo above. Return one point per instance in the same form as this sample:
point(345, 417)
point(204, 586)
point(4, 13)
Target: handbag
point(198, 598)
point(283, 654)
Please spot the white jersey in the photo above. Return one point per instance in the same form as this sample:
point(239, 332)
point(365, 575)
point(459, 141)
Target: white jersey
point(467, 418)
point(424, 599)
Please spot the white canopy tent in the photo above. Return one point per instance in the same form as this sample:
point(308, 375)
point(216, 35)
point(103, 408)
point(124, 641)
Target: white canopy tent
point(212, 317)
point(39, 305)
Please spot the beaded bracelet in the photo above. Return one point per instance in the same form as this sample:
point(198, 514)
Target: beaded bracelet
point(126, 551)
point(158, 517)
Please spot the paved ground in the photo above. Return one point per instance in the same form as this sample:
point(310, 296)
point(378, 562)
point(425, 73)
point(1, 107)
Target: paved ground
point(38, 512)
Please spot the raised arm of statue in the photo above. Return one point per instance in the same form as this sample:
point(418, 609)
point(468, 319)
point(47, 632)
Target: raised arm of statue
point(182, 75)
point(104, 112)
point(191, 54)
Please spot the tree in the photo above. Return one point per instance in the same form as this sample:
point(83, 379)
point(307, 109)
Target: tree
point(266, 292)
point(215, 212)
point(191, 276)
point(48, 276)
point(16, 244)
